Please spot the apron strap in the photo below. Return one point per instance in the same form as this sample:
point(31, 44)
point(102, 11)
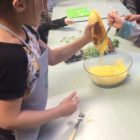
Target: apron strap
point(20, 39)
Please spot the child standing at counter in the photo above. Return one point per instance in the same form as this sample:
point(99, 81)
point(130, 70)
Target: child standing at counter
point(125, 29)
point(24, 61)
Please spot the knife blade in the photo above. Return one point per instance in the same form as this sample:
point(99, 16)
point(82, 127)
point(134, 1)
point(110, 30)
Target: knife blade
point(84, 20)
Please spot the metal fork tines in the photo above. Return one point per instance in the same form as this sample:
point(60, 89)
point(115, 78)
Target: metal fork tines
point(80, 118)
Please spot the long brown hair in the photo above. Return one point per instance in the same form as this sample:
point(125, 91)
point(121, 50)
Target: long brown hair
point(5, 6)
point(45, 18)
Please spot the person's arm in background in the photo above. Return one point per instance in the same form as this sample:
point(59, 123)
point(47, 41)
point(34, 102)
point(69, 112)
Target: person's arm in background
point(130, 31)
point(133, 17)
point(58, 23)
point(44, 28)
point(127, 30)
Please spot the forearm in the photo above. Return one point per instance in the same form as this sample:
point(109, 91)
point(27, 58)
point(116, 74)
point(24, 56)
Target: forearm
point(62, 53)
point(130, 31)
point(30, 119)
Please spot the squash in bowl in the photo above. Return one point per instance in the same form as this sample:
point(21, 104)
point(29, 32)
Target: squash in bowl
point(110, 69)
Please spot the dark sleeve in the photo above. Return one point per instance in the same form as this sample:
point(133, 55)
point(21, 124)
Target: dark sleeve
point(44, 28)
point(137, 2)
point(43, 31)
point(13, 74)
point(58, 23)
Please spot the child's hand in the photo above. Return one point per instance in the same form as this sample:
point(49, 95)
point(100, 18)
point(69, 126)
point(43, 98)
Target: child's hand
point(68, 21)
point(132, 17)
point(115, 20)
point(69, 104)
point(88, 34)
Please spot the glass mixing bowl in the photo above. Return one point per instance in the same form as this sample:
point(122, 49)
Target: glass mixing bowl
point(108, 70)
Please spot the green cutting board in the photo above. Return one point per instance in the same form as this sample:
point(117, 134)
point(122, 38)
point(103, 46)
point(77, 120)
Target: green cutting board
point(77, 12)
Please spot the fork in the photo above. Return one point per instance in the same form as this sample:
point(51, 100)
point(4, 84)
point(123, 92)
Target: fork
point(80, 118)
point(108, 29)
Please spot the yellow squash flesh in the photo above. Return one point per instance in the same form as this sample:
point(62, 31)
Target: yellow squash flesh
point(102, 39)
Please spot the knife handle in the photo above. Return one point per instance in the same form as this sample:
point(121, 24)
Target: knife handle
point(72, 135)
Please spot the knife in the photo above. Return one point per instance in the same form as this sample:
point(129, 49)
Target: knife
point(80, 118)
point(86, 20)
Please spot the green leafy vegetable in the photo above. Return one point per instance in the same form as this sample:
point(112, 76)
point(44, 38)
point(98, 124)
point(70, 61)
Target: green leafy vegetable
point(91, 51)
point(115, 43)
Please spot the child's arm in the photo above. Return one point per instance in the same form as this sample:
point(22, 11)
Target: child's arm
point(130, 31)
point(133, 17)
point(12, 118)
point(55, 24)
point(62, 53)
point(125, 29)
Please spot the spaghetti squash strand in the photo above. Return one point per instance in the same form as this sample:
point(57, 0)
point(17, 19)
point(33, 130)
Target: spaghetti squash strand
point(100, 39)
